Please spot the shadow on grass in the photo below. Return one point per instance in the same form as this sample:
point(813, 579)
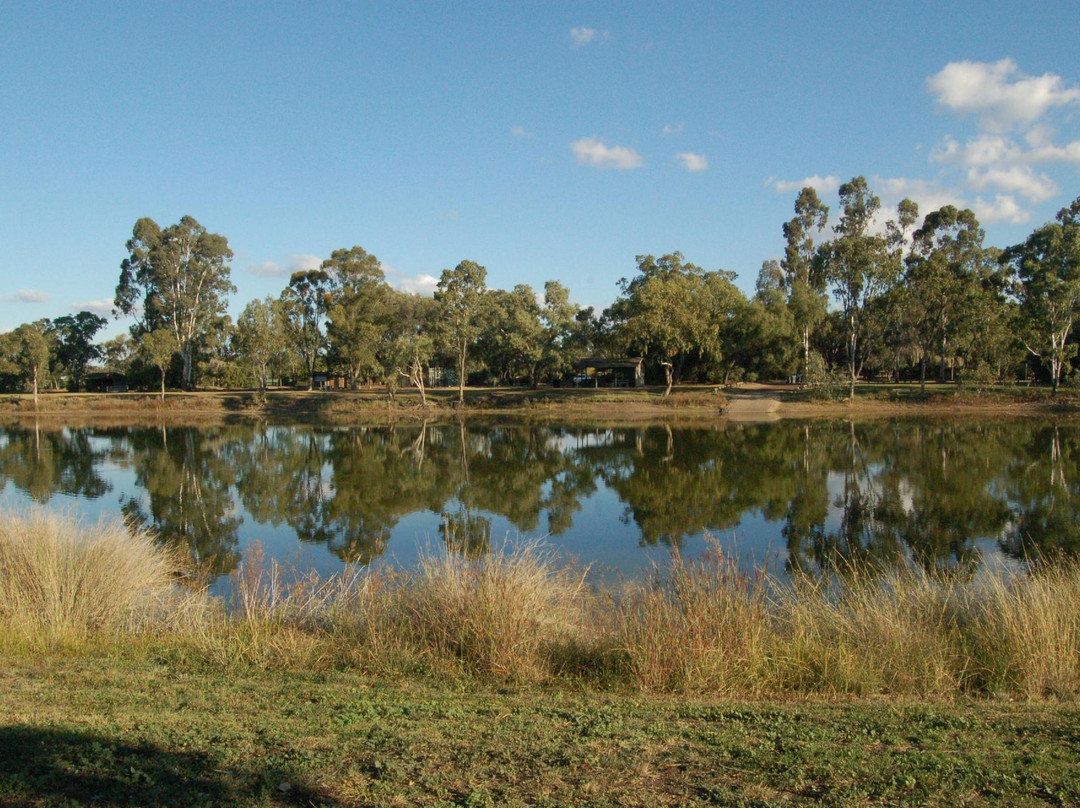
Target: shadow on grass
point(49, 766)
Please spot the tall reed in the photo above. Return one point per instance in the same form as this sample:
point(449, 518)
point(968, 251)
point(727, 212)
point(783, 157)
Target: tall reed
point(1022, 633)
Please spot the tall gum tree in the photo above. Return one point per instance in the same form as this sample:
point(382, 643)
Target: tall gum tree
point(803, 276)
point(75, 348)
point(461, 297)
point(862, 263)
point(942, 279)
point(1047, 267)
point(358, 309)
point(175, 278)
point(304, 304)
point(29, 353)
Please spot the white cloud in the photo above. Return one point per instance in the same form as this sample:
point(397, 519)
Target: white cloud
point(997, 94)
point(592, 152)
point(929, 195)
point(266, 269)
point(519, 131)
point(1018, 179)
point(823, 185)
point(27, 296)
point(673, 128)
point(1002, 208)
point(102, 308)
point(297, 263)
point(1049, 153)
point(303, 262)
point(579, 37)
point(692, 162)
point(423, 285)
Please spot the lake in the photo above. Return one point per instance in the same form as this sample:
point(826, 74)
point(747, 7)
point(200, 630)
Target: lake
point(785, 495)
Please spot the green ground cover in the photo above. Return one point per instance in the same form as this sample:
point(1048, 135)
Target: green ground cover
point(134, 731)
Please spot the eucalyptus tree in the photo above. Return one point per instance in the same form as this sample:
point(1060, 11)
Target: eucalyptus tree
point(259, 339)
point(1047, 266)
point(74, 344)
point(357, 311)
point(561, 324)
point(861, 263)
point(674, 310)
point(304, 304)
point(157, 349)
point(175, 278)
point(766, 328)
point(407, 344)
point(116, 353)
point(804, 276)
point(26, 352)
point(461, 297)
point(512, 339)
point(943, 279)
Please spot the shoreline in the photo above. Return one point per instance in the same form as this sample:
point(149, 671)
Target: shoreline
point(697, 403)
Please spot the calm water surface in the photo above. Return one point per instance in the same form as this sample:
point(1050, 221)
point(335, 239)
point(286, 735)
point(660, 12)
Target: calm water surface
point(785, 494)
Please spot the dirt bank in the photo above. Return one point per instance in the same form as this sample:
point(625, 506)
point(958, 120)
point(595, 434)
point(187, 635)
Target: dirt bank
point(689, 403)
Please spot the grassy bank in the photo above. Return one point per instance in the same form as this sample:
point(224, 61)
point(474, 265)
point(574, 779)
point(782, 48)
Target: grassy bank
point(504, 680)
point(701, 402)
point(137, 730)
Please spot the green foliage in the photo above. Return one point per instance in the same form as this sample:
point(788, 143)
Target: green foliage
point(26, 352)
point(158, 348)
point(673, 312)
point(74, 347)
point(804, 278)
point(304, 305)
point(1047, 266)
point(825, 382)
point(358, 313)
point(259, 341)
point(860, 264)
point(176, 278)
point(461, 297)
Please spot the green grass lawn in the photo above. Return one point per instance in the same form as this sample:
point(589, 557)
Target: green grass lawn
point(125, 731)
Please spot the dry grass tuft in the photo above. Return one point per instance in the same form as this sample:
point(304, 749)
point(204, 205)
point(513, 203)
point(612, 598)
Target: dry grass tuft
point(505, 613)
point(868, 633)
point(695, 625)
point(62, 579)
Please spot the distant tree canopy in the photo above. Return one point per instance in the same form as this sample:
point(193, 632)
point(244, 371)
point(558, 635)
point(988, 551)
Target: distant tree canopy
point(866, 296)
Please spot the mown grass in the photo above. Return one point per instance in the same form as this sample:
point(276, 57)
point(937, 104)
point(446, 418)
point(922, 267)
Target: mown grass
point(128, 730)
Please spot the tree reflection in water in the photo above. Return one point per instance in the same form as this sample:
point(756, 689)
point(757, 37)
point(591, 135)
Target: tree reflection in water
point(833, 494)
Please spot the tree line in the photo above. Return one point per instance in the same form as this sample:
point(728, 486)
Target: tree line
point(902, 298)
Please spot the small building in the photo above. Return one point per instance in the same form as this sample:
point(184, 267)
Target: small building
point(329, 381)
point(596, 372)
point(105, 382)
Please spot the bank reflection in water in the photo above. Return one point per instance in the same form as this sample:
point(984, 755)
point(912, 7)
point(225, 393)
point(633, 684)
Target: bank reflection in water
point(817, 495)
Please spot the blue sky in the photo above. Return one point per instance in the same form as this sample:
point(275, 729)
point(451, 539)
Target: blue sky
point(544, 140)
